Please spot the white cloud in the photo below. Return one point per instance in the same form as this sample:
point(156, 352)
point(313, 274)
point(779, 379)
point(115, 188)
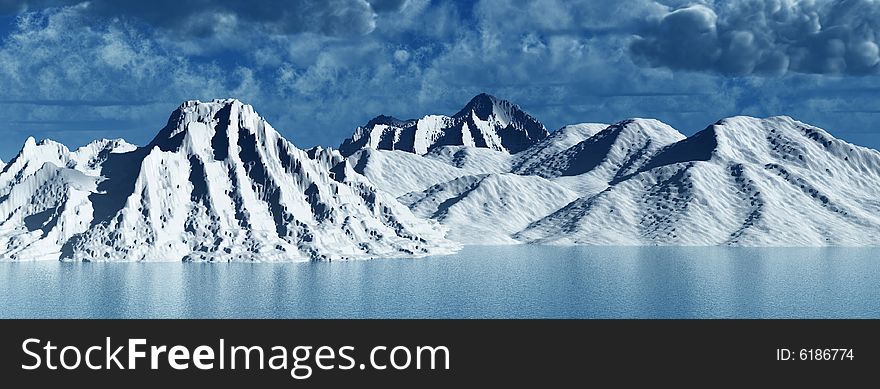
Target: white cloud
point(430, 57)
point(401, 56)
point(765, 37)
point(59, 72)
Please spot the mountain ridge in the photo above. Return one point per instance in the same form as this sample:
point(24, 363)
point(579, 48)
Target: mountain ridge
point(641, 182)
point(219, 183)
point(745, 181)
point(484, 122)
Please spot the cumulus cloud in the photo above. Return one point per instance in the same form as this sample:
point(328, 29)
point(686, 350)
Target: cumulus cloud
point(62, 76)
point(57, 56)
point(201, 18)
point(764, 37)
point(567, 16)
point(563, 61)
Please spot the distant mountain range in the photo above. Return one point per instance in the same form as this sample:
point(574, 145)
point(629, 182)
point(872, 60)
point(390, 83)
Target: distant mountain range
point(218, 183)
point(485, 122)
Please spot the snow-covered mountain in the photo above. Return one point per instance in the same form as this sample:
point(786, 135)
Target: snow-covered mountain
point(485, 122)
point(399, 172)
point(742, 181)
point(613, 151)
point(35, 154)
point(558, 141)
point(217, 183)
point(489, 208)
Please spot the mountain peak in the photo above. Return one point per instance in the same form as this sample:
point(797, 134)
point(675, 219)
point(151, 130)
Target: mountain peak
point(216, 183)
point(483, 96)
point(218, 120)
point(212, 102)
point(485, 122)
point(482, 105)
point(387, 120)
point(612, 152)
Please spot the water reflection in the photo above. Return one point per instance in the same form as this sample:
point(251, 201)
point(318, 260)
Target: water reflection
point(493, 282)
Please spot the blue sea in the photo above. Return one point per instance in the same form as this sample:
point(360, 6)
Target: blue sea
point(478, 282)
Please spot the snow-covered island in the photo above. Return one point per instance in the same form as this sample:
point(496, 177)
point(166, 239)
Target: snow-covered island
point(218, 183)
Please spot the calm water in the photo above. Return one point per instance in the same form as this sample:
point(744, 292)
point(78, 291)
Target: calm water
point(479, 282)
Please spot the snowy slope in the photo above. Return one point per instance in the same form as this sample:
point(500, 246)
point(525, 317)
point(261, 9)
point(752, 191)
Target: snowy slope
point(31, 158)
point(743, 181)
point(92, 156)
point(45, 191)
point(616, 150)
point(399, 172)
point(475, 160)
point(34, 155)
point(487, 209)
point(485, 206)
point(217, 183)
point(558, 141)
point(44, 210)
point(485, 122)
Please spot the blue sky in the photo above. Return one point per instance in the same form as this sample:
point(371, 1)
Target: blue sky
point(75, 71)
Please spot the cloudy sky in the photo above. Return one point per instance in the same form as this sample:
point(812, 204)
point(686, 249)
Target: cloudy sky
point(75, 71)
